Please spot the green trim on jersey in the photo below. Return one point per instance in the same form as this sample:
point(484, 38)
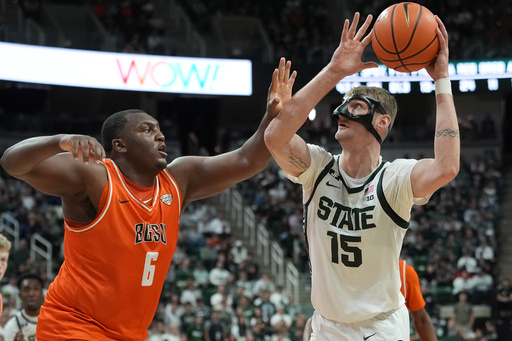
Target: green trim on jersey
point(386, 207)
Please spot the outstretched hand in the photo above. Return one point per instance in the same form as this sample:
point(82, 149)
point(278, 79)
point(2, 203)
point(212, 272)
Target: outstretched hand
point(82, 145)
point(280, 90)
point(346, 60)
point(439, 67)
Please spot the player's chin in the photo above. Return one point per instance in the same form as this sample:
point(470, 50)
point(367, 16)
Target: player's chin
point(340, 133)
point(162, 163)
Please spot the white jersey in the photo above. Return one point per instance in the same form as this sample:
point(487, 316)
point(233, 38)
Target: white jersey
point(21, 321)
point(354, 231)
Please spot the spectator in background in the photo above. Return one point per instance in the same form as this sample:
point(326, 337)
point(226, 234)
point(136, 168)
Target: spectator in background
point(463, 318)
point(280, 319)
point(263, 303)
point(22, 325)
point(484, 253)
point(19, 256)
point(213, 328)
point(218, 226)
point(188, 317)
point(467, 261)
point(11, 289)
point(462, 283)
point(191, 293)
point(481, 284)
point(173, 310)
point(155, 330)
point(488, 333)
point(250, 266)
point(193, 237)
point(263, 283)
point(196, 331)
point(279, 297)
point(240, 329)
point(504, 299)
point(219, 275)
point(184, 272)
point(221, 297)
point(201, 276)
point(202, 309)
point(245, 305)
point(239, 252)
point(244, 282)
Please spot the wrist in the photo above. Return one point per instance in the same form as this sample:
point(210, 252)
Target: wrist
point(443, 86)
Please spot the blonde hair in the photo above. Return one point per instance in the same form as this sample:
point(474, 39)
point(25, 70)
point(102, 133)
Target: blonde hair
point(5, 244)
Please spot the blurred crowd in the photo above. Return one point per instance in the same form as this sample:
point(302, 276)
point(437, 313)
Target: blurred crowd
point(305, 31)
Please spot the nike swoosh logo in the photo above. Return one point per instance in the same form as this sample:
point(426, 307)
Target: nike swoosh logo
point(331, 185)
point(123, 202)
point(369, 336)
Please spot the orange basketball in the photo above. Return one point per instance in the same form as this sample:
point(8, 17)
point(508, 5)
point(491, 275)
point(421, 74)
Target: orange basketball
point(404, 37)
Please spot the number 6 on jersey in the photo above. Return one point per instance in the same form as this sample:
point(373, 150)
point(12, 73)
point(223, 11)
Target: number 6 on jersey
point(149, 269)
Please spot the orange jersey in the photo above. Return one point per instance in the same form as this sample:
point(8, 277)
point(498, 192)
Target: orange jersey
point(412, 290)
point(110, 283)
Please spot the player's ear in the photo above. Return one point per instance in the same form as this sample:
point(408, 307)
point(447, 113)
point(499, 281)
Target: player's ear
point(118, 145)
point(383, 121)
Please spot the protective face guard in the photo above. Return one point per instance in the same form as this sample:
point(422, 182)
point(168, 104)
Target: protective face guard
point(365, 120)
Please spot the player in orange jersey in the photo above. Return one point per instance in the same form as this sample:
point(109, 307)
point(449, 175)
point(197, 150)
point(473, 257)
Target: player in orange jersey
point(121, 204)
point(413, 300)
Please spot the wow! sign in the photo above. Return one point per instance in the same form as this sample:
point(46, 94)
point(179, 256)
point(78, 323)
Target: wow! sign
point(121, 71)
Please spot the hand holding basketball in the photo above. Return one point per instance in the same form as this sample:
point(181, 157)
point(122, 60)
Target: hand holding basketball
point(439, 69)
point(404, 37)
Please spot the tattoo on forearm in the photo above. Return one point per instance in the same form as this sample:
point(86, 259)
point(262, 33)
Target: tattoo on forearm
point(448, 132)
point(297, 161)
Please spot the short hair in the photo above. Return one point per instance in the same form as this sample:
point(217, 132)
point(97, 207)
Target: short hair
point(113, 127)
point(29, 276)
point(5, 244)
point(387, 101)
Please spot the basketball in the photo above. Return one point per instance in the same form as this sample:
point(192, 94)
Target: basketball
point(404, 37)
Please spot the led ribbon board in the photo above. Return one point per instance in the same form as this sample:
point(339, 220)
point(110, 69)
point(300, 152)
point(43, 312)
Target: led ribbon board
point(468, 76)
point(123, 71)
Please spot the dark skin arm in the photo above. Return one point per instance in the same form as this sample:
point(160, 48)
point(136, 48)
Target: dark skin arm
point(201, 177)
point(423, 325)
point(62, 165)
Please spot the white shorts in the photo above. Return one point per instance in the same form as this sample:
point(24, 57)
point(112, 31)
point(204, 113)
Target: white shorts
point(384, 327)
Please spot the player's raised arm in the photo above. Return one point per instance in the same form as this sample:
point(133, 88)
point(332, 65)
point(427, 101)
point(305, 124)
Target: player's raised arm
point(287, 148)
point(201, 177)
point(431, 174)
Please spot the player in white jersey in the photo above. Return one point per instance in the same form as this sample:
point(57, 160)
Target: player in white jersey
point(22, 325)
point(356, 205)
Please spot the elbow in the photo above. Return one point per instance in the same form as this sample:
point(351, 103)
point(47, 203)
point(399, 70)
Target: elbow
point(270, 137)
point(4, 163)
point(453, 171)
point(449, 173)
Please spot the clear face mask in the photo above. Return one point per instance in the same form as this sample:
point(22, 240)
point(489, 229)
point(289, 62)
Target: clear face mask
point(363, 113)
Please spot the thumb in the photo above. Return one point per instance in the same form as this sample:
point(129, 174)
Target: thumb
point(369, 65)
point(275, 101)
